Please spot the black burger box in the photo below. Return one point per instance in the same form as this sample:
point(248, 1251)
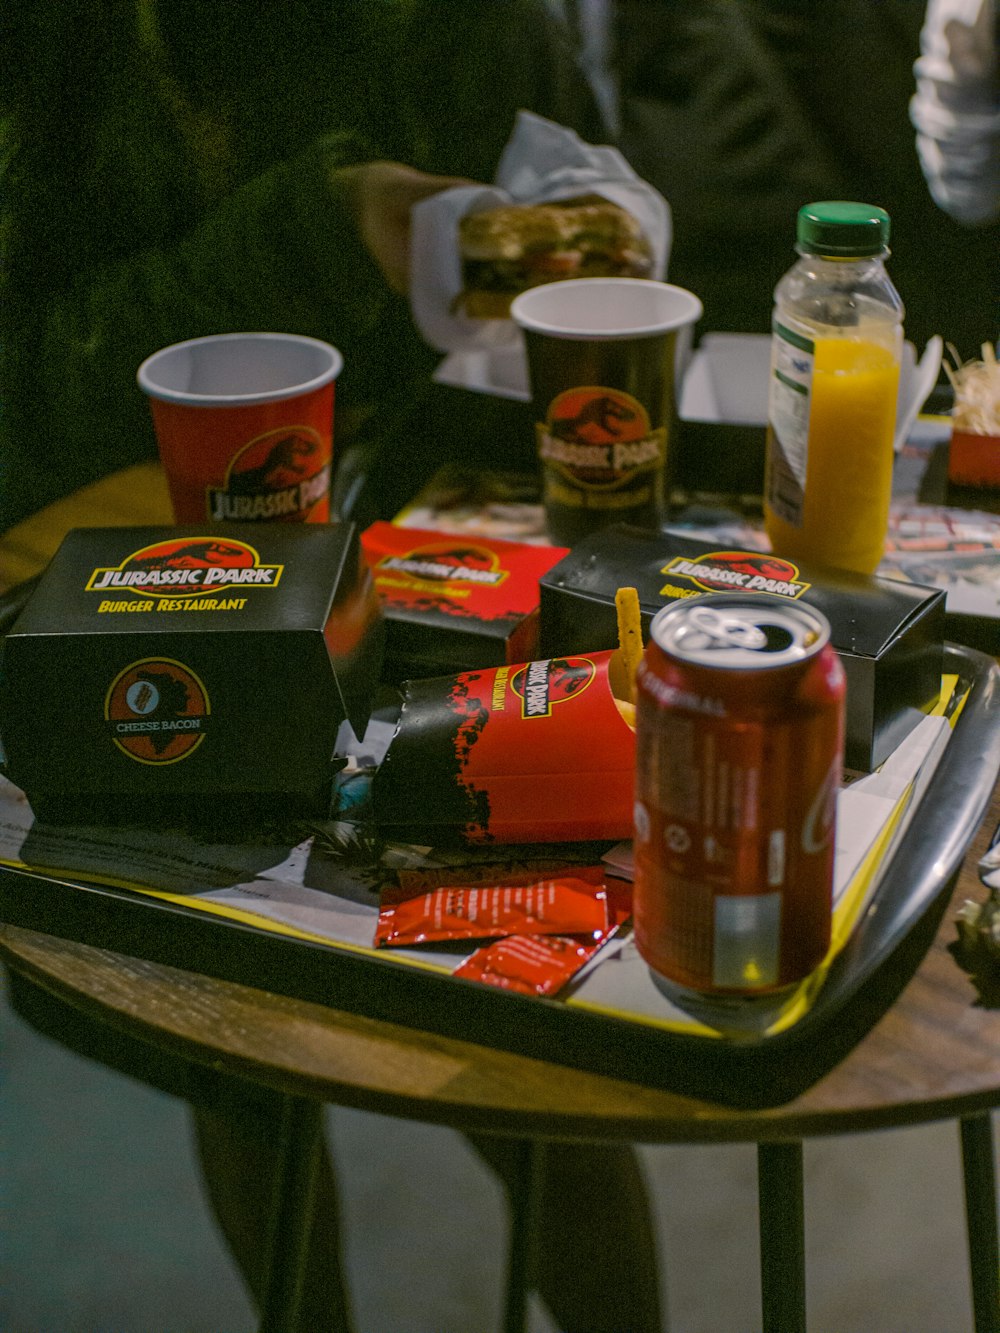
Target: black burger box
point(888, 635)
point(189, 675)
point(455, 602)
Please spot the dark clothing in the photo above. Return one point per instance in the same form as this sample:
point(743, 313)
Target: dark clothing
point(167, 173)
point(740, 111)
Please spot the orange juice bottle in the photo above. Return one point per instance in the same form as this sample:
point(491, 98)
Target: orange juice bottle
point(837, 337)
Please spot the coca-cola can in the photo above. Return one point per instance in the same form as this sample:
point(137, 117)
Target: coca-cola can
point(739, 740)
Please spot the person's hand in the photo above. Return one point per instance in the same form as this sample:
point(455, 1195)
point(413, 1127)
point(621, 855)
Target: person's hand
point(381, 195)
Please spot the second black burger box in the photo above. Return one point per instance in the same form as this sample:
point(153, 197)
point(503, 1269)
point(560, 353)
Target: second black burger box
point(887, 634)
point(188, 676)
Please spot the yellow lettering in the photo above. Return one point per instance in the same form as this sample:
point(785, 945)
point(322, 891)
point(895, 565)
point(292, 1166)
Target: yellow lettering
point(499, 688)
point(419, 585)
point(671, 590)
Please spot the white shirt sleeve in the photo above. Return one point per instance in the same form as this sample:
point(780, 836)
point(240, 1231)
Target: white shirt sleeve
point(589, 24)
point(956, 108)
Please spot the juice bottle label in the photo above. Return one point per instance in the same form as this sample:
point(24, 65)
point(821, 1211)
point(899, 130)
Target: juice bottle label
point(829, 474)
point(789, 400)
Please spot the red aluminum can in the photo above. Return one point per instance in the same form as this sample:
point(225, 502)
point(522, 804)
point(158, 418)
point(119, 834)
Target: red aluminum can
point(739, 756)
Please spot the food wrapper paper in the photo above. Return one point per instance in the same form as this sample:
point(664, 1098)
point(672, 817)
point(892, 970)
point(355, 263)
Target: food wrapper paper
point(542, 163)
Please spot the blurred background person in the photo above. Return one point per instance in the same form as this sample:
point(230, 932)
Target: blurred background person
point(174, 170)
point(740, 111)
point(956, 108)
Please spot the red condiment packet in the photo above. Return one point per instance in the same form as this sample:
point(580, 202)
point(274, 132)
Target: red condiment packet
point(543, 964)
point(574, 903)
point(531, 964)
point(619, 893)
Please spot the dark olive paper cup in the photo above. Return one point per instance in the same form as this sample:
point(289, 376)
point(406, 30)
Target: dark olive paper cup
point(603, 356)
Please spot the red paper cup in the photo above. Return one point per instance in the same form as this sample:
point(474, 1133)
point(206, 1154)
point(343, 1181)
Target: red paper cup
point(244, 425)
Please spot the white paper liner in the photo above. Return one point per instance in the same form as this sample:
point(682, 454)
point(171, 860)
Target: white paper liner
point(542, 163)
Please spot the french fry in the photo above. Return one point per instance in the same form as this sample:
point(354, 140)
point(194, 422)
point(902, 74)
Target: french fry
point(629, 635)
point(627, 711)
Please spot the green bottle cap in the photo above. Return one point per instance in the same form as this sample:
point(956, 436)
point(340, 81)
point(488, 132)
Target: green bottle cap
point(842, 230)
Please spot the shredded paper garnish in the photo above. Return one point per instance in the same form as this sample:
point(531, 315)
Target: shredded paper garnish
point(977, 392)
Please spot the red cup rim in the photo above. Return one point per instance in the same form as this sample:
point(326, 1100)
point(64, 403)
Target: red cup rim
point(165, 393)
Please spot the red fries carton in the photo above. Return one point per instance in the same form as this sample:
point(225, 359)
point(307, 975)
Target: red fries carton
point(537, 752)
point(453, 603)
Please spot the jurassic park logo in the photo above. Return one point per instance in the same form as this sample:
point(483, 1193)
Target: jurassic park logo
point(740, 571)
point(448, 562)
point(186, 570)
point(282, 475)
point(599, 437)
point(543, 685)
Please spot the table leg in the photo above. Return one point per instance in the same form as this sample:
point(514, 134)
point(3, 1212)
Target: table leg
point(981, 1220)
point(300, 1135)
point(525, 1191)
point(782, 1237)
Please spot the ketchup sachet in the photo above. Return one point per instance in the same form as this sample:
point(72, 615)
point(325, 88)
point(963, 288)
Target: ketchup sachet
point(543, 964)
point(531, 964)
point(572, 903)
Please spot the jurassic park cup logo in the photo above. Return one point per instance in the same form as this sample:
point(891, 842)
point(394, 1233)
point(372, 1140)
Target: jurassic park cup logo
point(743, 571)
point(600, 438)
point(157, 711)
point(282, 475)
point(542, 685)
point(186, 568)
point(448, 562)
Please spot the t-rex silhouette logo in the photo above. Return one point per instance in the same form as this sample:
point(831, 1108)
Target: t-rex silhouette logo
point(458, 557)
point(568, 676)
point(600, 418)
point(290, 460)
point(195, 555)
point(764, 566)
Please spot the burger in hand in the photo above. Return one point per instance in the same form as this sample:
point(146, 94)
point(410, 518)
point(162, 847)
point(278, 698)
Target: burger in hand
point(506, 250)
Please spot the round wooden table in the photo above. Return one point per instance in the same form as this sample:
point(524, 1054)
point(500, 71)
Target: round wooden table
point(935, 1054)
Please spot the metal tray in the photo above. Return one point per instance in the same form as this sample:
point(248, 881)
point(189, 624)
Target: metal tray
point(886, 945)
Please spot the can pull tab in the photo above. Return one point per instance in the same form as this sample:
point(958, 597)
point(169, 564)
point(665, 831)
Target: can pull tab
point(714, 629)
